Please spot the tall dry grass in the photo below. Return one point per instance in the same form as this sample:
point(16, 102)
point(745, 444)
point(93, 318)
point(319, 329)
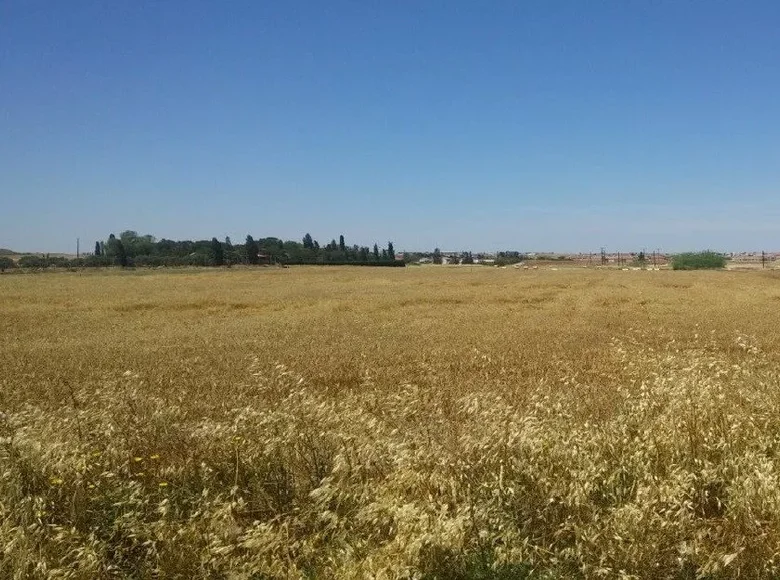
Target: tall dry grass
point(420, 423)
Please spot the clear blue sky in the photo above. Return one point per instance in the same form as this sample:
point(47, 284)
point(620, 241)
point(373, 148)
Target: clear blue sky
point(561, 125)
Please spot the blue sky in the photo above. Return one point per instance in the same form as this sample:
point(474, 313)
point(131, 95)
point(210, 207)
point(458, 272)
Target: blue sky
point(560, 125)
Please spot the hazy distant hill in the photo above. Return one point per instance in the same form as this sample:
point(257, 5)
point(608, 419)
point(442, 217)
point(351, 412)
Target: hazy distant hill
point(7, 252)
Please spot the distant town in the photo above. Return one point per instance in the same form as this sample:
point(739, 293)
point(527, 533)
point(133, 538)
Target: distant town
point(642, 258)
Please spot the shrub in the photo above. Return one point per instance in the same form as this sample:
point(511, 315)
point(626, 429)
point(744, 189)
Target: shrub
point(33, 261)
point(6, 263)
point(698, 261)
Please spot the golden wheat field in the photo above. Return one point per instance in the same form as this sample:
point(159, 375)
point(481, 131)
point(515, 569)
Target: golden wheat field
point(387, 423)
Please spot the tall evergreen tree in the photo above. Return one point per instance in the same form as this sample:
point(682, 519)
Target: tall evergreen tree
point(308, 243)
point(97, 248)
point(217, 252)
point(342, 245)
point(251, 249)
point(390, 251)
point(376, 252)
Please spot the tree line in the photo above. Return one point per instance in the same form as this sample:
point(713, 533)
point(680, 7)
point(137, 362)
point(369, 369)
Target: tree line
point(130, 249)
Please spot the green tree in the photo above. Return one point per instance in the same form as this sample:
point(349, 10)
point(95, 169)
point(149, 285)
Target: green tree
point(115, 250)
point(698, 261)
point(308, 243)
point(390, 251)
point(137, 245)
point(229, 252)
point(342, 245)
point(251, 250)
point(120, 254)
point(376, 252)
point(437, 256)
point(217, 252)
point(6, 263)
point(97, 249)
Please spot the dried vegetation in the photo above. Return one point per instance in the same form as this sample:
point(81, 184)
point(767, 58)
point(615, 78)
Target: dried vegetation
point(418, 423)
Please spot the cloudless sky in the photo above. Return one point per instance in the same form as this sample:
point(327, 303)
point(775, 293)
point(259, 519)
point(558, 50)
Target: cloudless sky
point(544, 125)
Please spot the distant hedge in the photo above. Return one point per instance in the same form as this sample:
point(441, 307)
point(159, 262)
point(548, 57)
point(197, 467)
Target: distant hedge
point(374, 263)
point(698, 261)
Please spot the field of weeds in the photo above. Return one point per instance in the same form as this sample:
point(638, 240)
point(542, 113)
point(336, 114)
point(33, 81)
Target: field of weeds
point(391, 423)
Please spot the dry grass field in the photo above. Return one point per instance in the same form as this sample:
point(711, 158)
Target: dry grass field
point(390, 423)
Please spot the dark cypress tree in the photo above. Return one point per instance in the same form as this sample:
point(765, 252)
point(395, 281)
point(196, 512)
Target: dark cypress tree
point(97, 248)
point(342, 245)
point(390, 251)
point(251, 249)
point(217, 252)
point(376, 252)
point(308, 243)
